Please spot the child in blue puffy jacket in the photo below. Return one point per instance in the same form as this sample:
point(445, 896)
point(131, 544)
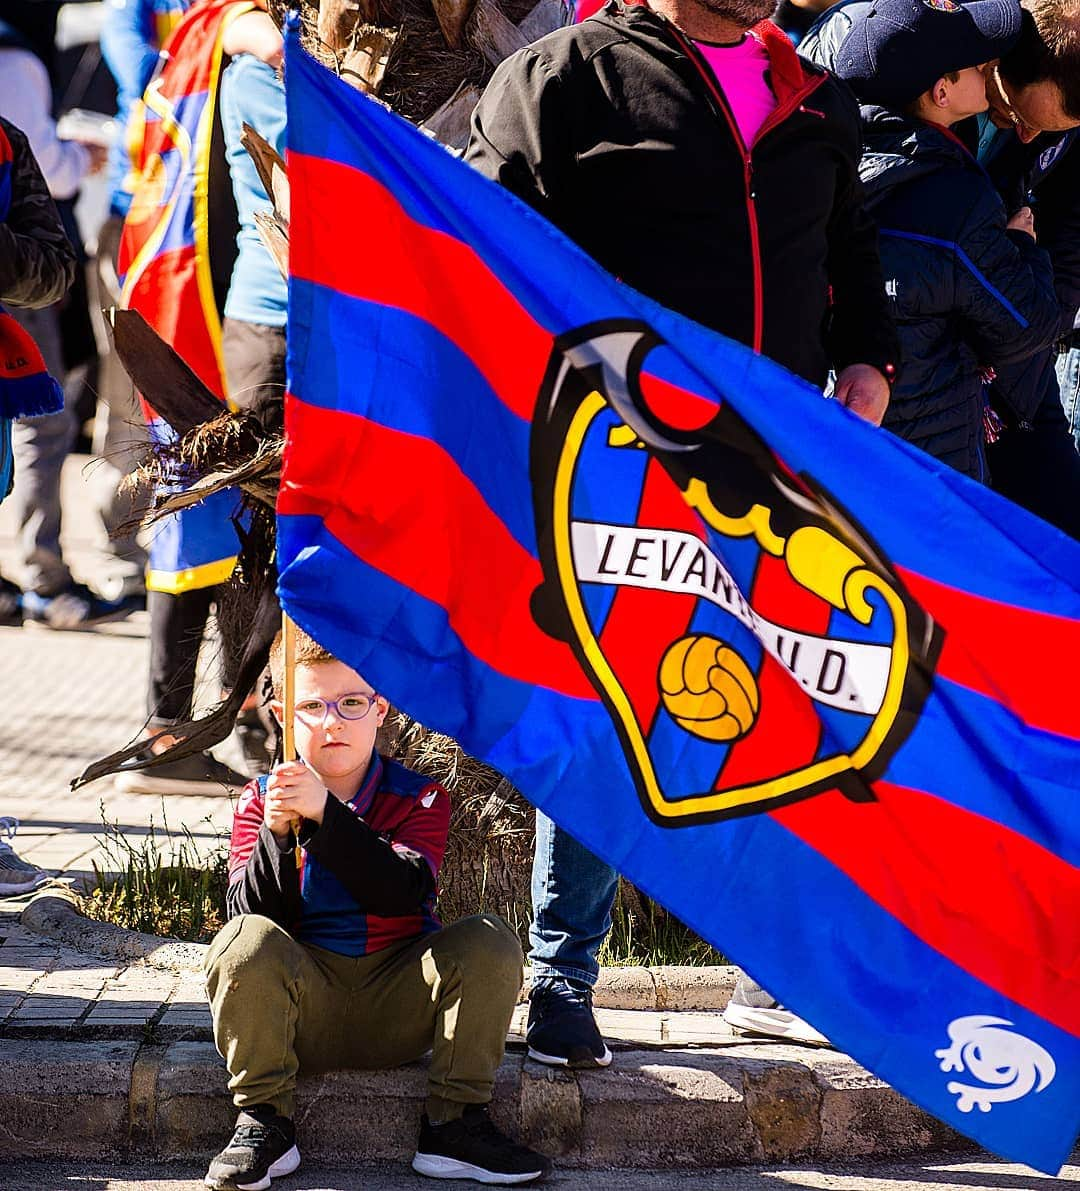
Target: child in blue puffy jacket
point(970, 289)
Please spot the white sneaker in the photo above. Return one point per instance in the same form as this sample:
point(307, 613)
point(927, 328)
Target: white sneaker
point(752, 1010)
point(16, 875)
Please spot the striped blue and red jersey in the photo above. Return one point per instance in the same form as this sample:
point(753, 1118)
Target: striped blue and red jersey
point(405, 811)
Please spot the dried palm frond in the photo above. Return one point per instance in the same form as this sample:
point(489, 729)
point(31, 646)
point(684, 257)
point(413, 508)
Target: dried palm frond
point(494, 33)
point(363, 62)
point(337, 19)
point(266, 160)
point(437, 44)
point(450, 123)
point(275, 240)
point(164, 379)
point(259, 478)
point(230, 450)
point(227, 440)
point(452, 16)
point(198, 735)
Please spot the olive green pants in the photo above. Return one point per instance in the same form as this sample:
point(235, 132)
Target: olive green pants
point(280, 1007)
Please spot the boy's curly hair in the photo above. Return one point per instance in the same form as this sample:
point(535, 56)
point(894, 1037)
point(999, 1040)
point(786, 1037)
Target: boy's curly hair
point(308, 653)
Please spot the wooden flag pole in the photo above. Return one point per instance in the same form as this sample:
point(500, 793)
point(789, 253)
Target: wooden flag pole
point(288, 705)
point(288, 689)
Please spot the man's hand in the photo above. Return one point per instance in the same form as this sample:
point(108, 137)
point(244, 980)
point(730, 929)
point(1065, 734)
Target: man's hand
point(255, 33)
point(98, 154)
point(292, 793)
point(1023, 221)
point(864, 390)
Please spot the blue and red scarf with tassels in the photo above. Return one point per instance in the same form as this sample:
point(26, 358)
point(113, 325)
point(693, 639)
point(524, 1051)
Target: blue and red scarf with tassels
point(26, 388)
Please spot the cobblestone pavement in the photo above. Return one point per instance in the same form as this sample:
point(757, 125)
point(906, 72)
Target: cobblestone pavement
point(48, 990)
point(66, 700)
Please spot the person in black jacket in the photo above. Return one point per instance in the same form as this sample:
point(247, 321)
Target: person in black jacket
point(690, 151)
point(970, 289)
point(767, 242)
point(333, 956)
point(1029, 144)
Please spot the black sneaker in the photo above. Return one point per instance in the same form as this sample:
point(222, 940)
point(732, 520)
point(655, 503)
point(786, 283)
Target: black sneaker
point(76, 607)
point(752, 1010)
point(262, 1148)
point(562, 1030)
point(254, 742)
point(472, 1148)
point(198, 774)
point(10, 603)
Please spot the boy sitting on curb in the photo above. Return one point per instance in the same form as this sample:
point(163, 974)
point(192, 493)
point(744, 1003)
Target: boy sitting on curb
point(341, 962)
point(970, 290)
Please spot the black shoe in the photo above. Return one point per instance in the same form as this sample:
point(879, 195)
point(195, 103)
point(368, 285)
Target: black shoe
point(198, 774)
point(472, 1148)
point(562, 1030)
point(262, 1148)
point(254, 740)
point(76, 607)
point(10, 603)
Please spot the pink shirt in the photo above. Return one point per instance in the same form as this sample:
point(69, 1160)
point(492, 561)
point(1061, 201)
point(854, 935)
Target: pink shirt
point(741, 69)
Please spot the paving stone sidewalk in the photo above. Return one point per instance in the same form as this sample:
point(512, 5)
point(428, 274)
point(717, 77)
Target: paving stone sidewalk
point(51, 989)
point(69, 698)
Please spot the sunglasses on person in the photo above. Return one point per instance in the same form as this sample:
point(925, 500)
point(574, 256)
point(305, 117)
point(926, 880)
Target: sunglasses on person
point(313, 712)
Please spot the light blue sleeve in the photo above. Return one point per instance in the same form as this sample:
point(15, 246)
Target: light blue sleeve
point(252, 93)
point(129, 47)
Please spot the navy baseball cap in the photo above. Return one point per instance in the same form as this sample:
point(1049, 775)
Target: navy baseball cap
point(897, 49)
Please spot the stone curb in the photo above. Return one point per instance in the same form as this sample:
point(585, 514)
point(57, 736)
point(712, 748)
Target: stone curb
point(54, 913)
point(712, 1107)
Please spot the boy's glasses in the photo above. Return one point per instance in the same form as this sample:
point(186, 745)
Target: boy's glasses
point(313, 712)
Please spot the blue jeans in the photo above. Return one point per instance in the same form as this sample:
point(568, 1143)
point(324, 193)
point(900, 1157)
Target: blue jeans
point(572, 895)
point(6, 468)
point(1068, 370)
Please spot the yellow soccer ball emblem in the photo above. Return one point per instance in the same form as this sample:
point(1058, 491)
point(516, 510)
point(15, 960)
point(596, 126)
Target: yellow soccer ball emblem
point(708, 689)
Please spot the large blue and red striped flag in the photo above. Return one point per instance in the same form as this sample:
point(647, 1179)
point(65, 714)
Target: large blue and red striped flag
point(799, 683)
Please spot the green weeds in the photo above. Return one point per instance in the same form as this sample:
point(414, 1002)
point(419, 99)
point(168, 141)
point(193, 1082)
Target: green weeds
point(644, 934)
point(162, 884)
point(159, 883)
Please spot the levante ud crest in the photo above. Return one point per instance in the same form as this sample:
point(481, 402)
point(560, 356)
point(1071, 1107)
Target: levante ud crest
point(751, 644)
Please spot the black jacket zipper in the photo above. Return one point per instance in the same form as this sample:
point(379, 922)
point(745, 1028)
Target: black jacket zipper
point(722, 109)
